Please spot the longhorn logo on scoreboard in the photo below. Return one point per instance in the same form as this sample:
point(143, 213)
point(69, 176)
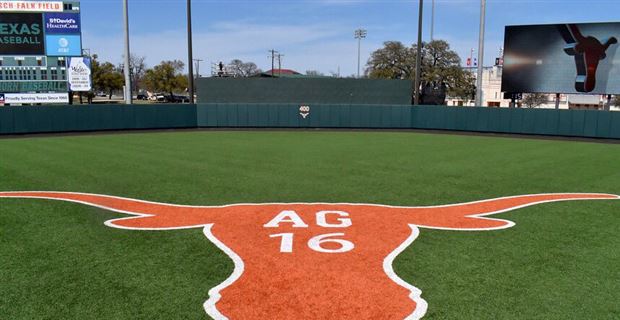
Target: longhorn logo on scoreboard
point(562, 58)
point(588, 51)
point(311, 260)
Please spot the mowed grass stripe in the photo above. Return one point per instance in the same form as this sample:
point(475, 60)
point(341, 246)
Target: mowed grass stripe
point(60, 261)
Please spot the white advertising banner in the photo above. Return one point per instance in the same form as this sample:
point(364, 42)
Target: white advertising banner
point(30, 6)
point(28, 98)
point(78, 74)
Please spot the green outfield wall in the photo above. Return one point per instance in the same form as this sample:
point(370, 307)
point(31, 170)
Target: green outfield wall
point(40, 119)
point(575, 123)
point(304, 90)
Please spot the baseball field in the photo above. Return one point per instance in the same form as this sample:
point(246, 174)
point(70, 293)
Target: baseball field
point(58, 260)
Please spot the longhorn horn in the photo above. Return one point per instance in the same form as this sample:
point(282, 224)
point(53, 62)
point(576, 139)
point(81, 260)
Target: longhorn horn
point(607, 43)
point(151, 215)
point(471, 215)
point(574, 29)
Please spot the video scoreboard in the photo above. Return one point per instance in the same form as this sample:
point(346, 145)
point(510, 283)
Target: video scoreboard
point(38, 40)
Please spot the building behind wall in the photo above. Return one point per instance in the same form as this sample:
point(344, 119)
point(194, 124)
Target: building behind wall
point(492, 95)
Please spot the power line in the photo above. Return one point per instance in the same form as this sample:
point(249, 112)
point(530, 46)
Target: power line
point(279, 56)
point(273, 59)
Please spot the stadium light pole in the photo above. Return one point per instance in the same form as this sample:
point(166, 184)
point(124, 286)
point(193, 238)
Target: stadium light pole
point(127, 70)
point(190, 49)
point(433, 21)
point(483, 5)
point(198, 61)
point(359, 35)
point(418, 58)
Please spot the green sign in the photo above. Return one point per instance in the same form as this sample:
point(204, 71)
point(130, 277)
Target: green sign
point(23, 86)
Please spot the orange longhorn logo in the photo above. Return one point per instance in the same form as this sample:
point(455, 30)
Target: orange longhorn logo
point(311, 260)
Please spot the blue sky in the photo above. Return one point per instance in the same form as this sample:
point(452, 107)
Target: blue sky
point(312, 34)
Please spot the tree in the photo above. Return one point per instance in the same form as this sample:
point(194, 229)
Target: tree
point(533, 100)
point(393, 61)
point(440, 66)
point(137, 68)
point(314, 73)
point(166, 77)
point(461, 84)
point(243, 69)
point(106, 77)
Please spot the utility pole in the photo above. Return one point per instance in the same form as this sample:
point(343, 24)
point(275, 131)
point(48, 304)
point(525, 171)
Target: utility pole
point(359, 35)
point(190, 59)
point(197, 61)
point(433, 20)
point(273, 59)
point(418, 58)
point(127, 68)
point(279, 56)
point(483, 5)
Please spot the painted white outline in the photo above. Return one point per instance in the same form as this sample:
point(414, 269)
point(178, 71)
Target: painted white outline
point(415, 294)
point(508, 223)
point(214, 294)
point(7, 194)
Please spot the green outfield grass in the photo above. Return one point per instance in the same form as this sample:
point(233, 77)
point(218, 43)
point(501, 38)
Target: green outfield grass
point(58, 260)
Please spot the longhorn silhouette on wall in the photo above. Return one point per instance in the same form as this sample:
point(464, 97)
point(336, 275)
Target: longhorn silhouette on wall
point(311, 260)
